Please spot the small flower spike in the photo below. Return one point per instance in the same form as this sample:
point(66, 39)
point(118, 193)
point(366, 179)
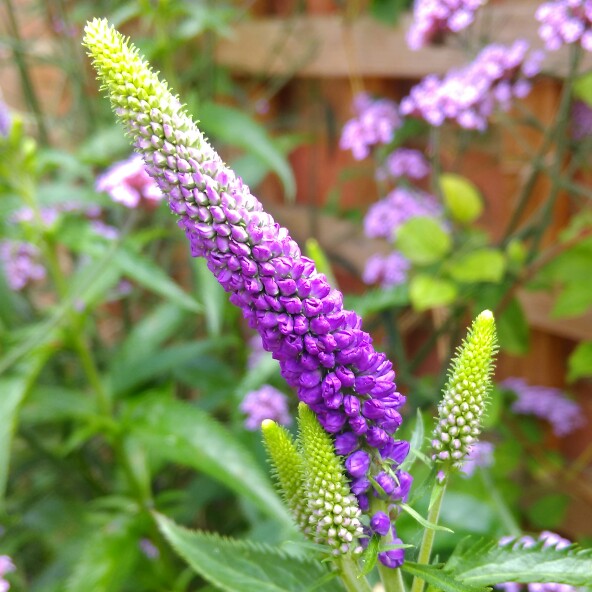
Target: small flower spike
point(288, 466)
point(334, 512)
point(466, 393)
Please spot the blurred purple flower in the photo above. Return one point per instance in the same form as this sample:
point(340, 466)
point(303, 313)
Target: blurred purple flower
point(550, 404)
point(6, 566)
point(50, 214)
point(149, 549)
point(469, 95)
point(128, 183)
point(404, 162)
point(387, 270)
point(375, 123)
point(565, 22)
point(5, 119)
point(256, 352)
point(480, 455)
point(550, 539)
point(20, 263)
point(105, 230)
point(581, 120)
point(386, 216)
point(433, 19)
point(265, 403)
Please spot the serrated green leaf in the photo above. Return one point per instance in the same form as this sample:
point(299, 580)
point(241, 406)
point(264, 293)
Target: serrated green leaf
point(228, 124)
point(436, 577)
point(481, 265)
point(182, 433)
point(149, 275)
point(244, 566)
point(423, 240)
point(580, 362)
point(427, 291)
point(480, 562)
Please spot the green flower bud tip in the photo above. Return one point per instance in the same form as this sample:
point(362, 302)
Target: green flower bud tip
point(466, 393)
point(288, 468)
point(334, 512)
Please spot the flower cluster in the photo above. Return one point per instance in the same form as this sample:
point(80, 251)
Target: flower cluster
point(48, 215)
point(21, 265)
point(547, 403)
point(466, 393)
point(375, 123)
point(265, 403)
point(471, 94)
point(6, 566)
point(322, 350)
point(565, 22)
point(127, 182)
point(387, 270)
point(384, 218)
point(404, 162)
point(550, 539)
point(433, 19)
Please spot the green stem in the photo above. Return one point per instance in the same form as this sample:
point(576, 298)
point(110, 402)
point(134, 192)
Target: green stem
point(509, 522)
point(351, 575)
point(429, 534)
point(562, 146)
point(28, 87)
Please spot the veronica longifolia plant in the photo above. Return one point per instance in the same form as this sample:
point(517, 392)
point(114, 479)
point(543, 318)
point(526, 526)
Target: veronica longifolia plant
point(343, 480)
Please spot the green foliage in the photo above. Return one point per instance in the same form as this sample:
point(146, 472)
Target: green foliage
point(486, 563)
point(423, 240)
point(427, 291)
point(243, 566)
point(461, 198)
point(580, 361)
point(480, 265)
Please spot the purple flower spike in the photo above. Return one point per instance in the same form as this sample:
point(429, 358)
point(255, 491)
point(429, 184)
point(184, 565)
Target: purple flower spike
point(397, 451)
point(358, 463)
point(380, 523)
point(323, 353)
point(346, 443)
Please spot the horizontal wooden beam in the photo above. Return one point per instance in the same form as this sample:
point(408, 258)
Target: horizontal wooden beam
point(326, 46)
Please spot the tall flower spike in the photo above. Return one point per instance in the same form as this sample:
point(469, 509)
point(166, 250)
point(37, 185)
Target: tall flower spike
point(466, 393)
point(334, 512)
point(323, 352)
point(288, 468)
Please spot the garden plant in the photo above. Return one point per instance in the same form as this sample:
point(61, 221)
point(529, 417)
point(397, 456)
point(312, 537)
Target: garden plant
point(151, 442)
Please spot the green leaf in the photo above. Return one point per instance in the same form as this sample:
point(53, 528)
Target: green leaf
point(482, 265)
point(211, 295)
point(127, 374)
point(13, 390)
point(582, 88)
point(580, 362)
point(421, 520)
point(415, 442)
point(149, 275)
point(182, 433)
point(376, 300)
point(107, 559)
point(461, 197)
point(575, 298)
point(48, 403)
point(436, 577)
point(423, 240)
point(427, 291)
point(314, 250)
point(479, 562)
point(513, 330)
point(548, 512)
point(228, 124)
point(244, 566)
